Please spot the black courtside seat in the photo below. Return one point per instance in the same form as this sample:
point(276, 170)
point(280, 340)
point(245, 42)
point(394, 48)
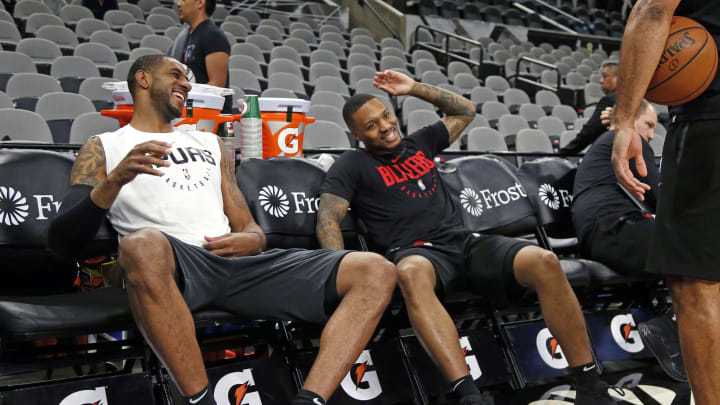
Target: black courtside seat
point(491, 199)
point(283, 195)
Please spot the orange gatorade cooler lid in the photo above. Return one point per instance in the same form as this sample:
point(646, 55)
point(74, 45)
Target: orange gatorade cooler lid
point(283, 125)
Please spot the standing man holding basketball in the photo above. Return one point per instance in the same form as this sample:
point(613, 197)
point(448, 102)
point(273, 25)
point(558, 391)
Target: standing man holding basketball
point(685, 248)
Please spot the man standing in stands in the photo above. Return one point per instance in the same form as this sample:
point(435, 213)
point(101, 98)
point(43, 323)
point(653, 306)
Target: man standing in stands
point(423, 235)
point(189, 241)
point(594, 127)
point(203, 47)
point(685, 247)
point(610, 227)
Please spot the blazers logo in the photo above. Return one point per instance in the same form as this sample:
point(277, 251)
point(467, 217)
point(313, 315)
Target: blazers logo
point(550, 350)
point(98, 396)
point(14, 206)
point(361, 382)
point(625, 333)
point(237, 388)
point(470, 201)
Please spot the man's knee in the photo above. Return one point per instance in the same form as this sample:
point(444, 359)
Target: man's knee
point(377, 273)
point(694, 295)
point(544, 269)
point(415, 273)
point(146, 255)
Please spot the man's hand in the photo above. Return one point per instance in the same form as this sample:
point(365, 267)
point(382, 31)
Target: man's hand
point(140, 160)
point(628, 145)
point(606, 117)
point(234, 244)
point(395, 83)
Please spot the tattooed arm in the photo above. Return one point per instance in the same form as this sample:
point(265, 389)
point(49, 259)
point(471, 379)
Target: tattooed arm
point(459, 111)
point(331, 212)
point(246, 238)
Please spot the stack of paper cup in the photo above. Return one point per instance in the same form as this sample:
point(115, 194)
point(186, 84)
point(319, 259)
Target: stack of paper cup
point(250, 129)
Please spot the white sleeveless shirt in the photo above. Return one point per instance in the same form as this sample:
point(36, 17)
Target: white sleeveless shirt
point(186, 202)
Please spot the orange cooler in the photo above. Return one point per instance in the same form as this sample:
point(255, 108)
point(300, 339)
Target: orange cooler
point(283, 125)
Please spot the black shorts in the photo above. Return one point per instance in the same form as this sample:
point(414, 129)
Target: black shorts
point(485, 261)
point(685, 241)
point(622, 244)
point(284, 284)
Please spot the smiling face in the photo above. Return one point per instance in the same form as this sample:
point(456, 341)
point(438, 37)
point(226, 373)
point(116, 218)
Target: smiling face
point(375, 126)
point(169, 88)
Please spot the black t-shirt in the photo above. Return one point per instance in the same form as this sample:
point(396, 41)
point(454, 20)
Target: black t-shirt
point(400, 197)
point(593, 128)
point(99, 10)
point(596, 194)
point(707, 106)
point(206, 39)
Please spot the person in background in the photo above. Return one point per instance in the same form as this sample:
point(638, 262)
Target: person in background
point(99, 7)
point(594, 127)
point(203, 47)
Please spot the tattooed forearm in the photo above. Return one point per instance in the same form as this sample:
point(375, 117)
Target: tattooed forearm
point(331, 212)
point(459, 111)
point(89, 167)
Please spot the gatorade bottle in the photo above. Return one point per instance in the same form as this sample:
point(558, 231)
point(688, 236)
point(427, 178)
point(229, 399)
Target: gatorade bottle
point(227, 135)
point(250, 130)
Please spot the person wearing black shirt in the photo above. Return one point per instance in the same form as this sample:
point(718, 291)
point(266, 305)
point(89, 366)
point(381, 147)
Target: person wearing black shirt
point(204, 47)
point(611, 228)
point(685, 246)
point(594, 127)
point(394, 187)
point(99, 7)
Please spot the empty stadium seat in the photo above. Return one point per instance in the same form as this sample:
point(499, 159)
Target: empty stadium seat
point(38, 20)
point(11, 63)
point(92, 89)
point(325, 134)
point(86, 26)
point(135, 32)
point(22, 125)
point(327, 98)
point(118, 19)
point(245, 80)
point(59, 110)
point(114, 40)
point(72, 70)
point(41, 51)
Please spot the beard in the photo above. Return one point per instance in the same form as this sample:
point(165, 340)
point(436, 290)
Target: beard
point(160, 98)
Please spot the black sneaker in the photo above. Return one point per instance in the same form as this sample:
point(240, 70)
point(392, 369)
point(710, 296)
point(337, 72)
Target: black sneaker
point(597, 394)
point(482, 399)
point(660, 336)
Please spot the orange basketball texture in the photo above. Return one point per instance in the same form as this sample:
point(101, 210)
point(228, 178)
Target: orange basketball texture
point(687, 65)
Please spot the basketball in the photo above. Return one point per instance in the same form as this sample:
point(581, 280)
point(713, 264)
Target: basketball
point(687, 65)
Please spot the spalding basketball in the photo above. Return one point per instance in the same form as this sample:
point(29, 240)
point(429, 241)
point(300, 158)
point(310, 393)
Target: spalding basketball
point(687, 65)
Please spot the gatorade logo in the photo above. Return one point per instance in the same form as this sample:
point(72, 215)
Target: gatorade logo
point(237, 388)
point(98, 396)
point(292, 146)
point(362, 383)
point(274, 201)
point(470, 201)
point(625, 334)
point(550, 350)
point(13, 207)
point(470, 359)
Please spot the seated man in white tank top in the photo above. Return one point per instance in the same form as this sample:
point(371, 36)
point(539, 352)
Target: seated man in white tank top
point(188, 241)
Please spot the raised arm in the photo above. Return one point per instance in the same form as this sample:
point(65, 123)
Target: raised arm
point(645, 35)
point(459, 111)
point(246, 237)
point(331, 212)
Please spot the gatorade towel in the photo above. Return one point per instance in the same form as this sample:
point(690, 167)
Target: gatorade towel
point(283, 125)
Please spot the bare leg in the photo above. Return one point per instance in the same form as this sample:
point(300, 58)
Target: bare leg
point(160, 312)
point(429, 319)
point(540, 269)
point(697, 306)
point(365, 281)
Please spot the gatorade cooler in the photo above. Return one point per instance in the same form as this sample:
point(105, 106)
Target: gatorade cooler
point(283, 125)
point(202, 108)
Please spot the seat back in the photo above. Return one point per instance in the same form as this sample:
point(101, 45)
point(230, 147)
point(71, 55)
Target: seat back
point(32, 185)
point(549, 184)
point(283, 195)
point(489, 196)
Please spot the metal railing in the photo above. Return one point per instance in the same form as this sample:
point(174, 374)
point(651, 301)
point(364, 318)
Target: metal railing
point(446, 49)
point(545, 19)
point(382, 19)
point(533, 61)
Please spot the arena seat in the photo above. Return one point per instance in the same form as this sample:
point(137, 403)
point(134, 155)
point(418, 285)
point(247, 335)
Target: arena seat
point(26, 88)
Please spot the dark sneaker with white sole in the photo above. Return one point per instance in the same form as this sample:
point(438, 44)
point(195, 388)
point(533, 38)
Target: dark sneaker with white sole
point(596, 394)
point(660, 336)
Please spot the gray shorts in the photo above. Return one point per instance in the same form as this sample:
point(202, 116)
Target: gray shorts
point(282, 284)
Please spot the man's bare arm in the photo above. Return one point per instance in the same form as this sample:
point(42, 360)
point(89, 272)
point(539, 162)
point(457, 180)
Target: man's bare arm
point(236, 209)
point(331, 212)
point(89, 168)
point(459, 111)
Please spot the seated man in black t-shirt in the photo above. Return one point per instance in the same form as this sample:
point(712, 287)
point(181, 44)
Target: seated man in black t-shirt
point(611, 228)
point(395, 188)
